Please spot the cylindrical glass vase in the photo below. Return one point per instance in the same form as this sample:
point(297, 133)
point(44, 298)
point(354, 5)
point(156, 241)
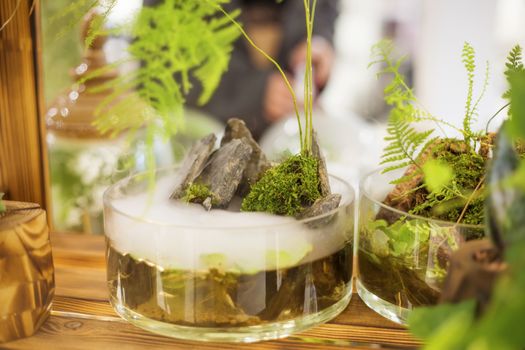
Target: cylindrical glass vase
point(402, 258)
point(175, 269)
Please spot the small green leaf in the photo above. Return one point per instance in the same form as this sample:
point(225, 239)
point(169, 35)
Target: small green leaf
point(437, 175)
point(516, 126)
point(2, 205)
point(425, 322)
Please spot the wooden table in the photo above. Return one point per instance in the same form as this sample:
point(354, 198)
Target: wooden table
point(83, 319)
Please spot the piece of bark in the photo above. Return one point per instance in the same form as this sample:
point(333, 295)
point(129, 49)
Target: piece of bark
point(258, 163)
point(324, 181)
point(193, 164)
point(224, 171)
point(321, 206)
point(473, 272)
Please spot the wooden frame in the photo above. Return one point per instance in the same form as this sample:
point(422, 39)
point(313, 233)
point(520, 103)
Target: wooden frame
point(23, 155)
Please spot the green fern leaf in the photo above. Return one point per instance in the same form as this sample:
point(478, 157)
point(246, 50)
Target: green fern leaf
point(177, 42)
point(513, 65)
point(468, 59)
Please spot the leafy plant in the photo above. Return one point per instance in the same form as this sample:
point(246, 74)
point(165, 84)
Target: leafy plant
point(286, 188)
point(514, 65)
point(458, 326)
point(197, 193)
point(406, 144)
point(444, 193)
point(72, 14)
point(164, 41)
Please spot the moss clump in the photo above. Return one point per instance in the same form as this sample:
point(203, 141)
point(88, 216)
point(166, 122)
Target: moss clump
point(197, 193)
point(469, 170)
point(286, 188)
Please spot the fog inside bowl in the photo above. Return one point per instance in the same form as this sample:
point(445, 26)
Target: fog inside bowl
point(176, 235)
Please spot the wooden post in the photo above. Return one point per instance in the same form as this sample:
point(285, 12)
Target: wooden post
point(23, 159)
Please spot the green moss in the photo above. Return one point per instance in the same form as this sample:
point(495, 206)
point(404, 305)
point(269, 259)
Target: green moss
point(286, 188)
point(197, 193)
point(469, 169)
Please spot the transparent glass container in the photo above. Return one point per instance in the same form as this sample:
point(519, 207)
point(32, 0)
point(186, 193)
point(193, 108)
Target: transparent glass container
point(402, 259)
point(177, 270)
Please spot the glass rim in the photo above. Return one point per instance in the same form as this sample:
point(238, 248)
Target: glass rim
point(364, 192)
point(108, 203)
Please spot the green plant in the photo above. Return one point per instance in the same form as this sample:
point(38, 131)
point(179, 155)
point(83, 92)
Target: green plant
point(197, 193)
point(460, 326)
point(164, 41)
point(286, 188)
point(458, 196)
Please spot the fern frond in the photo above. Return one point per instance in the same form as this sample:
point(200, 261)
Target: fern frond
point(172, 55)
point(405, 146)
point(96, 27)
point(468, 57)
point(404, 142)
point(513, 65)
point(72, 14)
point(406, 178)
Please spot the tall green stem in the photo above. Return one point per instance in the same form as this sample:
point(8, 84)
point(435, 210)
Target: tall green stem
point(273, 61)
point(308, 75)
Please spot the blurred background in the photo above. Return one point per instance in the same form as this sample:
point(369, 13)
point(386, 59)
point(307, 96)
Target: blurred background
point(350, 113)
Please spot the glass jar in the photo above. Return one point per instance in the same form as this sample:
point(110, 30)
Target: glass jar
point(175, 269)
point(402, 259)
point(27, 280)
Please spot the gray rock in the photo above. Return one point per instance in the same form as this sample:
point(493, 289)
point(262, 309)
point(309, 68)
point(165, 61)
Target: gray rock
point(193, 164)
point(321, 206)
point(258, 163)
point(324, 182)
point(207, 204)
point(225, 170)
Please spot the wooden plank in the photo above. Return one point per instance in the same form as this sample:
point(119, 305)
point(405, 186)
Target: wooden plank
point(80, 333)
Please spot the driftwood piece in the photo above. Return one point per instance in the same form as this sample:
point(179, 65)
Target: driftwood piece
point(26, 268)
point(472, 274)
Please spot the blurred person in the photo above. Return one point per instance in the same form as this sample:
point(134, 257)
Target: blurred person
point(252, 89)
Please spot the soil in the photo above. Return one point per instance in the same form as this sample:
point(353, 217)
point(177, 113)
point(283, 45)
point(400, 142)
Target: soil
point(214, 298)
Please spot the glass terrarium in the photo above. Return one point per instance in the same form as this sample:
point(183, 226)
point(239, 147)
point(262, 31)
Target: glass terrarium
point(402, 259)
point(176, 269)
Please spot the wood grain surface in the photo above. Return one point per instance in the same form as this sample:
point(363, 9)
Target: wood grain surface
point(83, 319)
point(22, 155)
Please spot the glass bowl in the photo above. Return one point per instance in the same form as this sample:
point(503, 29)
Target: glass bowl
point(402, 259)
point(177, 270)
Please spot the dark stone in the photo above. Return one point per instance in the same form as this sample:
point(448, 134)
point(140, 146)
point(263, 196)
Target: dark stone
point(324, 182)
point(224, 171)
point(321, 206)
point(193, 164)
point(258, 163)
